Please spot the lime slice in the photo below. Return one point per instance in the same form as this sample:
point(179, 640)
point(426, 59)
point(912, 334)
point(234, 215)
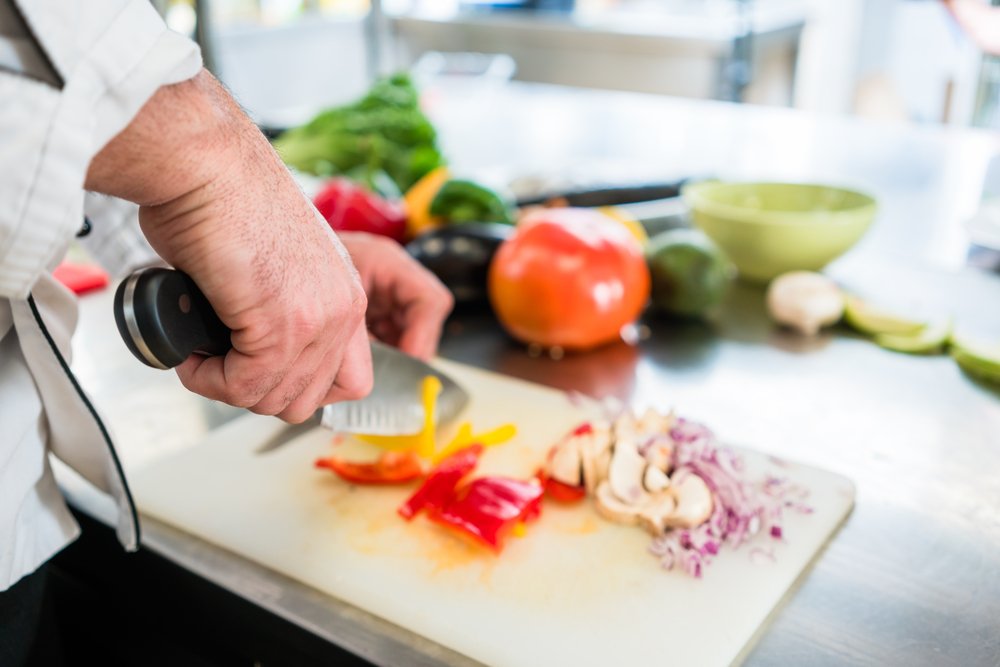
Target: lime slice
point(981, 360)
point(871, 320)
point(928, 340)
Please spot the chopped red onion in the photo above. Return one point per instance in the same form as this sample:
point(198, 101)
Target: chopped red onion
point(741, 508)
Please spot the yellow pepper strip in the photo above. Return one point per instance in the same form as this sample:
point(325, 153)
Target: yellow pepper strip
point(426, 443)
point(417, 201)
point(519, 529)
point(465, 437)
point(633, 226)
point(423, 443)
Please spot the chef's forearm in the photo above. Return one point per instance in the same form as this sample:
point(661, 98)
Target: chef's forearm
point(185, 136)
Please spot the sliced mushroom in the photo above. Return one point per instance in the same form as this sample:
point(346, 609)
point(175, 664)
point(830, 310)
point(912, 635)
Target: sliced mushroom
point(655, 514)
point(626, 473)
point(654, 480)
point(613, 509)
point(565, 464)
point(654, 423)
point(602, 464)
point(595, 453)
point(626, 426)
point(660, 453)
point(694, 502)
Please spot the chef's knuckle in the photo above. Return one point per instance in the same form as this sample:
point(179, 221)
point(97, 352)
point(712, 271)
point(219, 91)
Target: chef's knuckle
point(296, 414)
point(240, 400)
point(352, 313)
point(246, 390)
point(360, 304)
point(270, 405)
point(445, 298)
point(307, 323)
point(358, 386)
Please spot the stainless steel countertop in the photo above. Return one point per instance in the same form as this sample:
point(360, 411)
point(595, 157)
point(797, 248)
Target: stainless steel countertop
point(914, 576)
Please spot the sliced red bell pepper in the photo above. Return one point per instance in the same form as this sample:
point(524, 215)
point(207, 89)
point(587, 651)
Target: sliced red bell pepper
point(564, 493)
point(440, 485)
point(390, 468)
point(488, 508)
point(350, 207)
point(559, 491)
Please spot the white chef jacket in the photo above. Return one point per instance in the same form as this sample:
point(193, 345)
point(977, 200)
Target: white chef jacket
point(72, 76)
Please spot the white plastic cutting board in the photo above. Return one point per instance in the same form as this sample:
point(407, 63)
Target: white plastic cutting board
point(575, 590)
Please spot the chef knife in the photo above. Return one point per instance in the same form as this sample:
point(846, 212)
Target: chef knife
point(163, 317)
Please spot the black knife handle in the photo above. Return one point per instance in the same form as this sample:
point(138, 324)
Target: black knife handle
point(164, 318)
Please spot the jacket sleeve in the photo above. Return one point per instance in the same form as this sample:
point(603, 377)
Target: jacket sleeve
point(72, 76)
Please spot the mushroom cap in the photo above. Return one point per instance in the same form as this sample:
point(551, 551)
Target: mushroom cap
point(654, 480)
point(626, 473)
point(595, 455)
point(694, 502)
point(565, 463)
point(613, 509)
point(656, 513)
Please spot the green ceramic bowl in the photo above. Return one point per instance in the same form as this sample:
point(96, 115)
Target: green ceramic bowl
point(768, 229)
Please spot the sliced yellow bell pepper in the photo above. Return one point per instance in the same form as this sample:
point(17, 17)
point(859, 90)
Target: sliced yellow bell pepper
point(418, 202)
point(465, 437)
point(633, 226)
point(423, 443)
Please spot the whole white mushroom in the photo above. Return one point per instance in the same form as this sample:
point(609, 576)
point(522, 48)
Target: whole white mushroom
point(805, 301)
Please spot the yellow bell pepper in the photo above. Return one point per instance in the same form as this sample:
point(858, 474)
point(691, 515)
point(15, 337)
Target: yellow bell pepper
point(423, 443)
point(417, 201)
point(633, 226)
point(465, 437)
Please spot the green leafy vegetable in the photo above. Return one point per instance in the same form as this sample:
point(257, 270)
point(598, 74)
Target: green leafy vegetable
point(383, 131)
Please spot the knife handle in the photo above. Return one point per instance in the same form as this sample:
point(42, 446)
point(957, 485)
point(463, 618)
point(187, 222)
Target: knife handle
point(164, 318)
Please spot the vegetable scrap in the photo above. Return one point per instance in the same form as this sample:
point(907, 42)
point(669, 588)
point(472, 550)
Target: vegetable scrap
point(670, 476)
point(389, 468)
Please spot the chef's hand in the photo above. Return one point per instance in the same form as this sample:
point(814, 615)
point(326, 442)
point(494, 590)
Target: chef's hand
point(217, 203)
point(407, 304)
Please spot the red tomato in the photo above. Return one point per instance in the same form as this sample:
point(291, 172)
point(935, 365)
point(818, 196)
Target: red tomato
point(568, 277)
point(390, 468)
point(350, 207)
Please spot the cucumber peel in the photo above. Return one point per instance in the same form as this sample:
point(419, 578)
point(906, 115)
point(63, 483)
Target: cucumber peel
point(871, 320)
point(931, 339)
point(978, 359)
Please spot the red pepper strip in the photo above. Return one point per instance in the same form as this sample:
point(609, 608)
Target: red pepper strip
point(559, 491)
point(440, 485)
point(564, 493)
point(488, 508)
point(390, 468)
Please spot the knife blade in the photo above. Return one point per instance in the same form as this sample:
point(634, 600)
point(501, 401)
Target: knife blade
point(163, 317)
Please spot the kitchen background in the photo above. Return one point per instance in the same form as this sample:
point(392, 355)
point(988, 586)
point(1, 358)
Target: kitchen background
point(901, 60)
